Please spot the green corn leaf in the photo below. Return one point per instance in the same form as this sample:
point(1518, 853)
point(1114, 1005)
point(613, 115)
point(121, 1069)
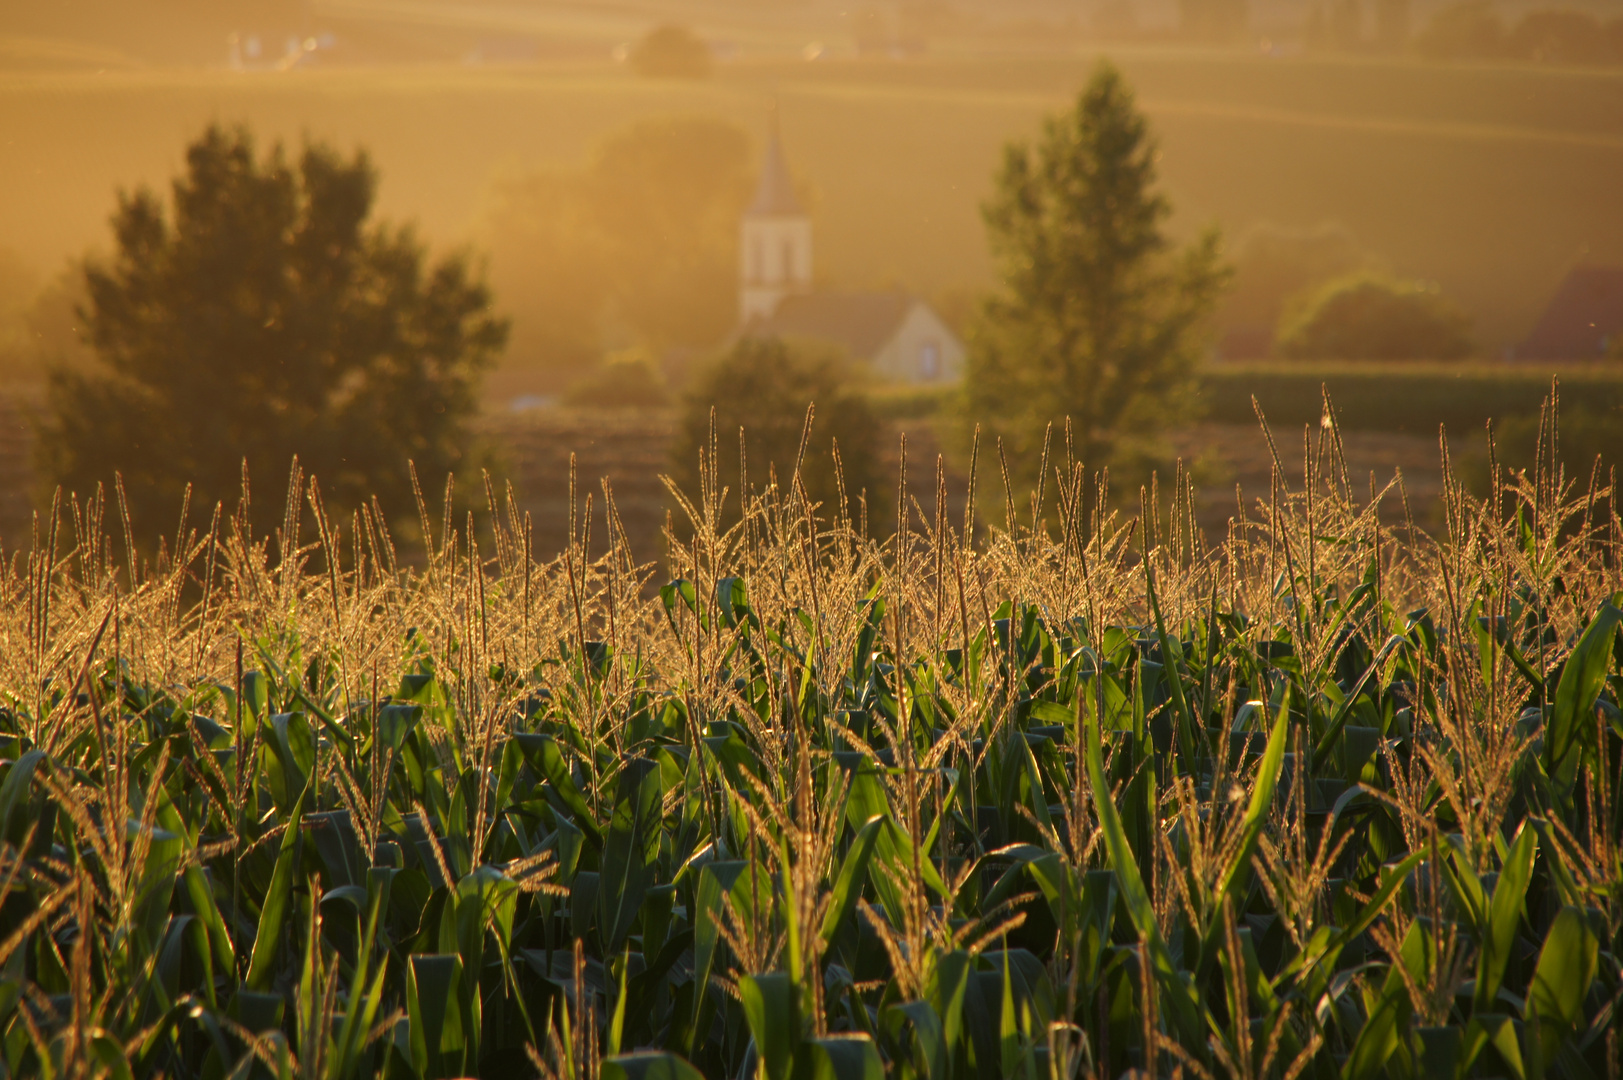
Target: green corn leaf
point(649, 1065)
point(1582, 678)
point(1178, 996)
point(1332, 731)
point(853, 874)
point(365, 997)
point(1567, 964)
point(1172, 658)
point(274, 912)
point(1377, 1040)
point(1499, 1031)
point(1504, 912)
point(947, 990)
point(626, 875)
point(15, 819)
point(774, 1020)
point(289, 756)
point(544, 756)
point(432, 989)
point(839, 1057)
point(1256, 812)
point(617, 1025)
point(928, 1043)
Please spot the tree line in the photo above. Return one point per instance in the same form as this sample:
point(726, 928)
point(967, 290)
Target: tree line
point(263, 312)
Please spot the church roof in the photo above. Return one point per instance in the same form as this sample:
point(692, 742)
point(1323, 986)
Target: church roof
point(1586, 309)
point(862, 322)
point(775, 195)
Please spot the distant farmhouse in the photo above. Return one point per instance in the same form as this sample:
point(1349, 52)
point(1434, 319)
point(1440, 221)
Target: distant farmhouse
point(900, 337)
point(1584, 320)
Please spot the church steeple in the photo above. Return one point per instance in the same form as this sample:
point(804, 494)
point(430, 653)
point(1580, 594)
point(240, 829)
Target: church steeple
point(775, 236)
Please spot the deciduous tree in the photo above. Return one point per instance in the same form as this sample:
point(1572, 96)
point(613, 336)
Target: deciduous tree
point(263, 315)
point(1100, 318)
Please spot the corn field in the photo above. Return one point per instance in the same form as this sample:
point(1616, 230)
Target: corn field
point(1045, 789)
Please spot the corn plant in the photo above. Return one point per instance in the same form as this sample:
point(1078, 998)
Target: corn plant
point(1055, 792)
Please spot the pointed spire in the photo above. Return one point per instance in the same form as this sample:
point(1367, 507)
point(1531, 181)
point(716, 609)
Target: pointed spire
point(775, 195)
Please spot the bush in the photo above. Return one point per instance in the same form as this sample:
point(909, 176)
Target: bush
point(763, 386)
point(1368, 317)
point(671, 52)
point(1385, 397)
point(1583, 434)
point(624, 380)
point(643, 239)
point(1562, 37)
point(1467, 31)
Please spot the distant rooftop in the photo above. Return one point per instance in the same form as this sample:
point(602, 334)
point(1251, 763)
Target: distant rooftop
point(1586, 310)
point(862, 322)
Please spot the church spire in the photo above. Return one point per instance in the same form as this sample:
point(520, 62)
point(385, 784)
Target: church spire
point(775, 259)
point(775, 194)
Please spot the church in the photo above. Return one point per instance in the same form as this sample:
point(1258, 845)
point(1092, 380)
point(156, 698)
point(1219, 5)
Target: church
point(897, 335)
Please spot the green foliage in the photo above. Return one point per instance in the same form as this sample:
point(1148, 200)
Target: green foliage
point(1470, 30)
point(764, 387)
point(1315, 802)
point(628, 379)
point(1371, 317)
point(1098, 321)
point(1272, 267)
point(670, 51)
point(1586, 434)
point(644, 239)
point(265, 316)
point(1473, 30)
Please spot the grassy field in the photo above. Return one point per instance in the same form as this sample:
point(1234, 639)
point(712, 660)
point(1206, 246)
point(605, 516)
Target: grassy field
point(1491, 181)
point(1334, 798)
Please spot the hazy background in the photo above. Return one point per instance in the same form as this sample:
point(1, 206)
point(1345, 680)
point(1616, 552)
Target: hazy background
point(1489, 179)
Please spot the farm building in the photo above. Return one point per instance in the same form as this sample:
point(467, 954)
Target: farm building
point(1583, 321)
point(898, 335)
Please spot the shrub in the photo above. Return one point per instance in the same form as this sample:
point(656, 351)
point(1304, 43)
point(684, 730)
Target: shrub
point(1582, 435)
point(1369, 317)
point(763, 386)
point(1465, 31)
point(624, 380)
point(671, 52)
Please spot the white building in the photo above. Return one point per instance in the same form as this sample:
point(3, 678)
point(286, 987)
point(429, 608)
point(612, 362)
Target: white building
point(898, 335)
point(776, 255)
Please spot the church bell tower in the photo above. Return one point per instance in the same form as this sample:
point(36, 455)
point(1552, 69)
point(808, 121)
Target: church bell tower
point(775, 259)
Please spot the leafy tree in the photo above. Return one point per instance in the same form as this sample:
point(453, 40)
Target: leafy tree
point(1469, 30)
point(671, 52)
point(1099, 319)
point(641, 244)
point(628, 379)
point(763, 385)
point(1212, 20)
point(265, 316)
point(1367, 316)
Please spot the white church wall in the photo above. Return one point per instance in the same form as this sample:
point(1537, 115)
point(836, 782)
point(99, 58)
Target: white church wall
point(776, 260)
